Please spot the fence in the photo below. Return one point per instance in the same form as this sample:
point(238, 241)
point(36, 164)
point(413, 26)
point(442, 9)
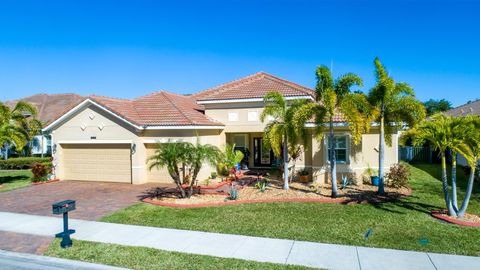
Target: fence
point(416, 154)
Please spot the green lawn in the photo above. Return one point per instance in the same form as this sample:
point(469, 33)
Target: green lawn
point(398, 225)
point(10, 180)
point(148, 258)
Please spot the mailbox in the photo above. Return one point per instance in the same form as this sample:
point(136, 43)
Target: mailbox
point(63, 207)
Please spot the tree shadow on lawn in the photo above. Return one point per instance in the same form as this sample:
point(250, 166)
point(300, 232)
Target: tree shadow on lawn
point(9, 179)
point(409, 204)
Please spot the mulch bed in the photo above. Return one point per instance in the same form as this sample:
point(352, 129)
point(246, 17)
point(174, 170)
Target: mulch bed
point(469, 220)
point(299, 192)
point(45, 182)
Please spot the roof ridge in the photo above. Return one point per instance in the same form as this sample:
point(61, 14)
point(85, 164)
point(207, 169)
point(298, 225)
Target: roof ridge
point(304, 89)
point(176, 107)
point(227, 84)
point(113, 98)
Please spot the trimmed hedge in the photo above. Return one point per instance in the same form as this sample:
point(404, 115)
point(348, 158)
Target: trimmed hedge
point(22, 163)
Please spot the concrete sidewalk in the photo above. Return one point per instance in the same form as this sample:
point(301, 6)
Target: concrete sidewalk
point(240, 247)
point(21, 261)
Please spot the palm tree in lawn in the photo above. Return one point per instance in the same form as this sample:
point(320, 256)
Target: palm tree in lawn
point(281, 131)
point(17, 125)
point(447, 133)
point(171, 156)
point(396, 104)
point(333, 97)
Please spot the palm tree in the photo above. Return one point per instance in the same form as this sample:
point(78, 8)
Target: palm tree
point(170, 156)
point(281, 131)
point(199, 154)
point(230, 157)
point(396, 104)
point(448, 133)
point(333, 97)
point(18, 125)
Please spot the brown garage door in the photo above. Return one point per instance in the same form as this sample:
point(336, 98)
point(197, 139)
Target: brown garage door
point(156, 175)
point(97, 162)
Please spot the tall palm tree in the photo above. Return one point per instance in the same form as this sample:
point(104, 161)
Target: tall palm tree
point(397, 105)
point(447, 133)
point(281, 131)
point(333, 97)
point(18, 125)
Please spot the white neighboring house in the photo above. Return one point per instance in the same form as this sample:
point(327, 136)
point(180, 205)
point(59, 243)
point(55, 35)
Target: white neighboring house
point(41, 144)
point(471, 108)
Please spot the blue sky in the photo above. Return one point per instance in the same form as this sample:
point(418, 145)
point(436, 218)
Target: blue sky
point(130, 48)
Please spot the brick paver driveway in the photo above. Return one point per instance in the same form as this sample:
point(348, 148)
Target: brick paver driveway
point(94, 199)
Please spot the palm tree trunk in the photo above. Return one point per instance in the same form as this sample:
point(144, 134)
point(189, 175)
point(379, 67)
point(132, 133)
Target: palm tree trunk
point(448, 202)
point(381, 153)
point(285, 163)
point(454, 181)
point(333, 160)
point(468, 193)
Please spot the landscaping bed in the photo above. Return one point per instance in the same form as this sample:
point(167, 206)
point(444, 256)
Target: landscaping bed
point(249, 192)
point(469, 220)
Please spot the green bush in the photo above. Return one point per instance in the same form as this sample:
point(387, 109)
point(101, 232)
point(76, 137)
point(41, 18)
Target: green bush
point(23, 163)
point(40, 172)
point(398, 176)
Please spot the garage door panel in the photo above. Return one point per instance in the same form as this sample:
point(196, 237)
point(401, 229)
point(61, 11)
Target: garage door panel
point(89, 162)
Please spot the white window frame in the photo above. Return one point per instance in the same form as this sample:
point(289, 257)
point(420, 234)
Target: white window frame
point(231, 118)
point(347, 149)
point(256, 116)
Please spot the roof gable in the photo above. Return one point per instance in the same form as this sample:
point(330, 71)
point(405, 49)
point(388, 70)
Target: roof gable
point(255, 86)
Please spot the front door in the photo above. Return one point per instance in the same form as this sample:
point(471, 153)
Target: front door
point(261, 157)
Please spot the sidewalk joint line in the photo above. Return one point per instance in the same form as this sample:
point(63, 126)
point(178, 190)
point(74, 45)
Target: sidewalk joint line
point(358, 258)
point(428, 255)
point(290, 251)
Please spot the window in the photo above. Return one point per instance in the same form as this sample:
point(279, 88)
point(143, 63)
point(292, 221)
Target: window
point(341, 148)
point(232, 116)
point(252, 116)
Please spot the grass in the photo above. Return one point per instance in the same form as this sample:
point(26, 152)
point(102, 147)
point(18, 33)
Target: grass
point(399, 225)
point(148, 258)
point(10, 180)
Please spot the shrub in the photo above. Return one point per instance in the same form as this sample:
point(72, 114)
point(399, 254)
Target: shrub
point(398, 176)
point(40, 172)
point(22, 163)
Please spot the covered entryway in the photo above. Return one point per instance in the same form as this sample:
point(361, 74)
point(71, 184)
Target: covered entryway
point(97, 162)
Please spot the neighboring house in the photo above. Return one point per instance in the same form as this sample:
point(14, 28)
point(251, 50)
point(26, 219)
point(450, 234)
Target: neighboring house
point(49, 108)
point(471, 108)
point(110, 139)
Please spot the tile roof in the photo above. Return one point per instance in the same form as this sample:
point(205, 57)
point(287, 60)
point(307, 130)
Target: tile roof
point(158, 109)
point(51, 106)
point(472, 108)
point(253, 86)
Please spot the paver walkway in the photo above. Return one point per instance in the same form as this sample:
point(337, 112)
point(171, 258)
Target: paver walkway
point(94, 199)
point(240, 247)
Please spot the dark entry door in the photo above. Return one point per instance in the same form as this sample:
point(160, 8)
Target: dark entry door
point(261, 157)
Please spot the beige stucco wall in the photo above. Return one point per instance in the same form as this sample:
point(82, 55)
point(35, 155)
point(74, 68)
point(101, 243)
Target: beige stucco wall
point(116, 130)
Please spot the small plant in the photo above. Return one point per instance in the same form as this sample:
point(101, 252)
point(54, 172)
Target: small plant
point(232, 194)
point(398, 176)
point(262, 185)
point(346, 182)
point(207, 181)
point(40, 172)
point(213, 175)
point(367, 174)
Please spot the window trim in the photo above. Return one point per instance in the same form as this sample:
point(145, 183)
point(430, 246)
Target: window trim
point(232, 113)
point(347, 149)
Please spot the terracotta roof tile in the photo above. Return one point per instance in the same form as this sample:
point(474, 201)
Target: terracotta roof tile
point(158, 109)
point(253, 86)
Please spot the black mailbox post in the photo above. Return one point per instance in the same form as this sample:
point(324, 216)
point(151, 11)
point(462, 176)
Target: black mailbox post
point(64, 207)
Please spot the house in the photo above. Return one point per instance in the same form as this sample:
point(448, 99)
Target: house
point(470, 108)
point(49, 108)
point(110, 139)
